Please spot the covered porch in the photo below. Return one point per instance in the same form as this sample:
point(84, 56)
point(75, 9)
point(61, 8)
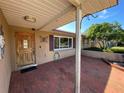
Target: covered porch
point(29, 37)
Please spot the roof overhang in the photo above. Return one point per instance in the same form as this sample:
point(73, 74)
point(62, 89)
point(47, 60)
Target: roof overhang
point(50, 14)
point(87, 6)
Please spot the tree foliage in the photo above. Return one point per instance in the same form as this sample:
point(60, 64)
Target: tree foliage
point(106, 34)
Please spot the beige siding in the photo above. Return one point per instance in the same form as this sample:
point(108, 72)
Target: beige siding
point(5, 67)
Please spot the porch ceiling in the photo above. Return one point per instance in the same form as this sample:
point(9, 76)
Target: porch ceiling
point(49, 14)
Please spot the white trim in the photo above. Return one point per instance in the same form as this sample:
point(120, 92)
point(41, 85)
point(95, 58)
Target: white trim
point(62, 49)
point(78, 51)
point(63, 36)
point(60, 45)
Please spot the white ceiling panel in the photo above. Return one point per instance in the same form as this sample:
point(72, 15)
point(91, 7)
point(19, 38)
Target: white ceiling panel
point(43, 10)
point(87, 6)
point(49, 14)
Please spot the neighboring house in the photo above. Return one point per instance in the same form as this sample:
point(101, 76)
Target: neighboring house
point(87, 43)
point(84, 42)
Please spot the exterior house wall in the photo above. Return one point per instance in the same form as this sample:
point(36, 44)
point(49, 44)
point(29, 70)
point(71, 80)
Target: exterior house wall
point(87, 43)
point(5, 65)
point(43, 54)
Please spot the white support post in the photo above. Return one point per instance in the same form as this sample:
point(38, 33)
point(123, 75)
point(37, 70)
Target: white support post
point(78, 50)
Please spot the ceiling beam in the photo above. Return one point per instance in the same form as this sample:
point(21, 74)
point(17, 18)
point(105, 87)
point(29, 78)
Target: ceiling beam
point(76, 3)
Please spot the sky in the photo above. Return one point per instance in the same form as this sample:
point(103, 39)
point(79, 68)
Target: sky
point(114, 14)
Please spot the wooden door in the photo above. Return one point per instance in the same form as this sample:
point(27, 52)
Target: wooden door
point(25, 48)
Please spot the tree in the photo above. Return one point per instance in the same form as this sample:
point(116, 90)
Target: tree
point(106, 33)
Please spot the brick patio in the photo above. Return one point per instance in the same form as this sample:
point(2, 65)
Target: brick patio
point(58, 77)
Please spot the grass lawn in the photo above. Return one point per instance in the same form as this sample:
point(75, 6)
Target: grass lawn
point(117, 49)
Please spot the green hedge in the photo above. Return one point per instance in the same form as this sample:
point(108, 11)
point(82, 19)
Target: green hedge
point(117, 49)
point(93, 49)
point(113, 49)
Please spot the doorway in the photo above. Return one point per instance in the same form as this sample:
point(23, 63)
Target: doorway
point(25, 49)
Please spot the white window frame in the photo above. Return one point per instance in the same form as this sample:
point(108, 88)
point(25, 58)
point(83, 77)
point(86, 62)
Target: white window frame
point(59, 43)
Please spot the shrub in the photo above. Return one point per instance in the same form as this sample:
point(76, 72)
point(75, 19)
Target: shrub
point(93, 49)
point(113, 49)
point(117, 49)
point(108, 50)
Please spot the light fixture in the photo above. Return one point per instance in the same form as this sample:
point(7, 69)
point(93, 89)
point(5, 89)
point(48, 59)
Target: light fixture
point(30, 19)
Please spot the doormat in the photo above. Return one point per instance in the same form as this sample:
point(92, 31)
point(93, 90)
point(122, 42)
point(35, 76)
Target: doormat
point(28, 69)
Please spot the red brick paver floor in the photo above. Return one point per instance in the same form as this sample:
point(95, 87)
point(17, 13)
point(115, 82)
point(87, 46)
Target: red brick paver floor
point(58, 77)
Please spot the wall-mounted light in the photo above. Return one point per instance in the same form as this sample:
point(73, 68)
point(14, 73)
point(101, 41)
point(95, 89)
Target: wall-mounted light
point(30, 19)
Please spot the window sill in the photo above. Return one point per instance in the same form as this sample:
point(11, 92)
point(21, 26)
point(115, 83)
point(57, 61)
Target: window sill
point(63, 49)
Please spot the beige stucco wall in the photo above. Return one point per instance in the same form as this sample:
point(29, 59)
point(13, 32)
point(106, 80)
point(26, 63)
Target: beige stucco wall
point(5, 66)
point(43, 55)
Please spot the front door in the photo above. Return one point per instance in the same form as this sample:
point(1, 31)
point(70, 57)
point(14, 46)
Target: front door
point(25, 48)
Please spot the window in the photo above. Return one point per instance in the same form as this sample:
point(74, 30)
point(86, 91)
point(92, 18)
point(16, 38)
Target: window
point(25, 43)
point(61, 42)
